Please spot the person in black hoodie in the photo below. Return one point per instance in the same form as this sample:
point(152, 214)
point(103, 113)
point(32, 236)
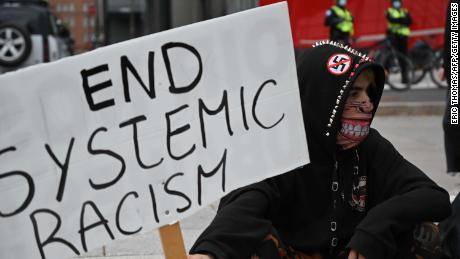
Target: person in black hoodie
point(357, 198)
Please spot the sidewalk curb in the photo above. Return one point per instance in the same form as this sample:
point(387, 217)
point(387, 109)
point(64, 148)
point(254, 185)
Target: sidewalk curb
point(411, 108)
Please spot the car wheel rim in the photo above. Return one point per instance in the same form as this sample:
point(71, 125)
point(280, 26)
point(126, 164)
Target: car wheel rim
point(12, 44)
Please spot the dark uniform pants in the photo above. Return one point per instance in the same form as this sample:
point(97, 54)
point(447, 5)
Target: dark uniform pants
point(400, 44)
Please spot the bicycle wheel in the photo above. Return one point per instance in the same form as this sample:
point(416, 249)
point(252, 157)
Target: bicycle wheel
point(419, 74)
point(394, 63)
point(421, 55)
point(436, 72)
point(420, 65)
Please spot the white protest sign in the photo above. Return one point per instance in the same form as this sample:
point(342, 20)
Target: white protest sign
point(133, 136)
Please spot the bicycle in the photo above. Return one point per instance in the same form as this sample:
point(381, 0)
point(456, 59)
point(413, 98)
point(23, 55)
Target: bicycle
point(393, 61)
point(437, 70)
point(426, 60)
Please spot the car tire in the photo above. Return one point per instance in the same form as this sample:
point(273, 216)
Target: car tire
point(15, 44)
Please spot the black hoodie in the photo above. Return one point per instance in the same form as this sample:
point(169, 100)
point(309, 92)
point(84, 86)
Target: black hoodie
point(367, 198)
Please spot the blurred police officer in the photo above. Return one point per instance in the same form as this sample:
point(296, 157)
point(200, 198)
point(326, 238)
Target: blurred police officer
point(340, 21)
point(398, 30)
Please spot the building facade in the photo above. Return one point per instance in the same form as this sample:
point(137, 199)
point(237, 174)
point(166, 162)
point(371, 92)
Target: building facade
point(79, 17)
point(94, 23)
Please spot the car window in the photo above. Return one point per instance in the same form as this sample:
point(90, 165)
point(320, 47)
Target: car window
point(35, 18)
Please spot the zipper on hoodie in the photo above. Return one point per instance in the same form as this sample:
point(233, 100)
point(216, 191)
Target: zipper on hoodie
point(341, 183)
point(339, 179)
point(334, 219)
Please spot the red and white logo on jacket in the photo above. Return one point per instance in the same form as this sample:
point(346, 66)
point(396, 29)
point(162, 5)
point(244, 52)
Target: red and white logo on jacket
point(339, 64)
point(358, 195)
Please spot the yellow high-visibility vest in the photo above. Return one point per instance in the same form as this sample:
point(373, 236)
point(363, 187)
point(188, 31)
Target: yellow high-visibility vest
point(347, 25)
point(397, 28)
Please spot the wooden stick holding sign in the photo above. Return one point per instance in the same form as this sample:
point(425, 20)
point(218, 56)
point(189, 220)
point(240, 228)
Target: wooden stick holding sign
point(172, 241)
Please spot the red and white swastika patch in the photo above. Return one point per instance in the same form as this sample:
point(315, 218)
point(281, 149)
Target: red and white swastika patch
point(339, 64)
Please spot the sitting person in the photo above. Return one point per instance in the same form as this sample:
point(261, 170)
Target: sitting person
point(357, 198)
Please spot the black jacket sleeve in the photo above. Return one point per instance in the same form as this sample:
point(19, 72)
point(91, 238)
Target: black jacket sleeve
point(241, 223)
point(331, 19)
point(406, 20)
point(404, 196)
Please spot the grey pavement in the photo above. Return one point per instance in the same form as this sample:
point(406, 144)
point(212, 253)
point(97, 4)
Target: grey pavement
point(422, 99)
point(415, 132)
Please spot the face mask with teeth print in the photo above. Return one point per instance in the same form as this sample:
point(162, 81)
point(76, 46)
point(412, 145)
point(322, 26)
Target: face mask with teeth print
point(356, 120)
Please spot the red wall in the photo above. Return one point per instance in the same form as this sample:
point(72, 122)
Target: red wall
point(307, 17)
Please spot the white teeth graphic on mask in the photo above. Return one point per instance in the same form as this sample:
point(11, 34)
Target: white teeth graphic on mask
point(354, 131)
point(366, 129)
point(357, 128)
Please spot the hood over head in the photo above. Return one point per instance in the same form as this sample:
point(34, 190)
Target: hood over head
point(326, 74)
